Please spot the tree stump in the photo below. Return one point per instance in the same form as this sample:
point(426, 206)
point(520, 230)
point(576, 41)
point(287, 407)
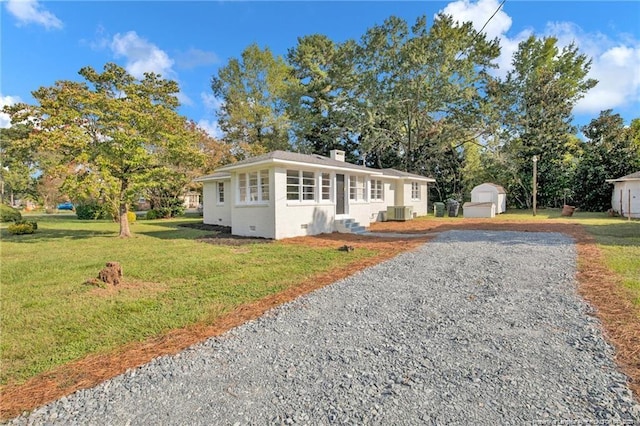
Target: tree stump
point(111, 274)
point(567, 210)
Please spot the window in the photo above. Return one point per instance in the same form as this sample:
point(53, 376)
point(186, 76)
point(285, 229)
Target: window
point(356, 188)
point(253, 187)
point(415, 191)
point(301, 186)
point(308, 186)
point(376, 190)
point(264, 184)
point(326, 186)
point(220, 192)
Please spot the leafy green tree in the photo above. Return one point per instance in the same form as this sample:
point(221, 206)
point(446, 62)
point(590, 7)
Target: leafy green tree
point(253, 91)
point(111, 131)
point(610, 151)
point(420, 90)
point(318, 105)
point(17, 162)
point(535, 103)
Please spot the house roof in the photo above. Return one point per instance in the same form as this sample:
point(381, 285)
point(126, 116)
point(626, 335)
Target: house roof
point(632, 176)
point(498, 187)
point(214, 176)
point(404, 175)
point(294, 158)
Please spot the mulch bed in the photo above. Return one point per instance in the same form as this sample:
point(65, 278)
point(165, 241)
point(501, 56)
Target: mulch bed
point(598, 285)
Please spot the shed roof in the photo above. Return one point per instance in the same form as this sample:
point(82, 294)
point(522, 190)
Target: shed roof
point(498, 187)
point(632, 176)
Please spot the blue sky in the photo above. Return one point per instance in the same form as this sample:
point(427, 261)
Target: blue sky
point(46, 41)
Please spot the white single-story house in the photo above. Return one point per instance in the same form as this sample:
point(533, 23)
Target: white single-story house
point(285, 194)
point(625, 198)
point(490, 193)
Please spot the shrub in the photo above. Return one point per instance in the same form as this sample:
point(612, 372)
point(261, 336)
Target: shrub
point(9, 214)
point(33, 223)
point(92, 211)
point(21, 228)
point(131, 216)
point(152, 214)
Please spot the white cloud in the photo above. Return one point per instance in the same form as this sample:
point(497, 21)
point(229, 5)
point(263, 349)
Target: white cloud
point(5, 121)
point(30, 11)
point(193, 58)
point(211, 103)
point(615, 62)
point(212, 106)
point(617, 70)
point(141, 55)
point(211, 127)
point(478, 13)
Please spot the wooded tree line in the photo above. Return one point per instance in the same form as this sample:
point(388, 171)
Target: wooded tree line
point(414, 97)
point(423, 99)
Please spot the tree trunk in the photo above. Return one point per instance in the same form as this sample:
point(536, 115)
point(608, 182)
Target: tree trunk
point(125, 232)
point(124, 220)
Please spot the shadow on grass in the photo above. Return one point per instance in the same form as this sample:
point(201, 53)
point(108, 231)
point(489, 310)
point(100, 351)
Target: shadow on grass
point(43, 235)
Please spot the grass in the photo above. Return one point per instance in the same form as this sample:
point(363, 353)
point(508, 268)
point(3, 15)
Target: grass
point(49, 317)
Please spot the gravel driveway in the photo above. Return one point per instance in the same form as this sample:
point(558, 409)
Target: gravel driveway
point(475, 327)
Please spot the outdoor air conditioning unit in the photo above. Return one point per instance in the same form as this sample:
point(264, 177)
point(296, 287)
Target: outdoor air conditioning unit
point(399, 212)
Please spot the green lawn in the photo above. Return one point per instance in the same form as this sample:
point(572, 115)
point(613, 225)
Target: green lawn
point(49, 317)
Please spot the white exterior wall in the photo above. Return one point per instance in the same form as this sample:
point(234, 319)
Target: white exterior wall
point(214, 213)
point(252, 220)
point(298, 218)
point(625, 187)
point(388, 199)
point(419, 206)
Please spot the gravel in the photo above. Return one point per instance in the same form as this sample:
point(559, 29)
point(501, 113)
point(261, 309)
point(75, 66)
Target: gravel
point(475, 327)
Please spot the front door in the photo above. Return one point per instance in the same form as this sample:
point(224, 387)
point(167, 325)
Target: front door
point(339, 194)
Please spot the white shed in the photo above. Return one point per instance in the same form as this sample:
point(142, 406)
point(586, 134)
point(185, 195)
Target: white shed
point(626, 195)
point(470, 210)
point(490, 193)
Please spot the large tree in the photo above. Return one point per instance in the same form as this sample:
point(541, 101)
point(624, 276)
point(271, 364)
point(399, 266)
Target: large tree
point(319, 105)
point(610, 151)
point(421, 90)
point(112, 131)
point(535, 102)
point(253, 90)
point(17, 162)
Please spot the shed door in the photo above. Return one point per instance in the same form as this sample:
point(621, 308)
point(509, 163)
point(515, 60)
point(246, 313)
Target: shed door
point(339, 194)
point(485, 197)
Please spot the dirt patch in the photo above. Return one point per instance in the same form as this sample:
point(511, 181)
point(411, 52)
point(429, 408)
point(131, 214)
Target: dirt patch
point(603, 289)
point(222, 235)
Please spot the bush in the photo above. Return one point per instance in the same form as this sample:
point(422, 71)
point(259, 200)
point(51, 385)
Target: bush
point(21, 228)
point(9, 214)
point(152, 214)
point(131, 216)
point(33, 223)
point(92, 211)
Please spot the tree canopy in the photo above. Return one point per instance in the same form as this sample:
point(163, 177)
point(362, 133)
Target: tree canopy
point(111, 132)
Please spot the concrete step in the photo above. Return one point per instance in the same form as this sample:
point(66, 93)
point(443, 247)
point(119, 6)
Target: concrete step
point(349, 226)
